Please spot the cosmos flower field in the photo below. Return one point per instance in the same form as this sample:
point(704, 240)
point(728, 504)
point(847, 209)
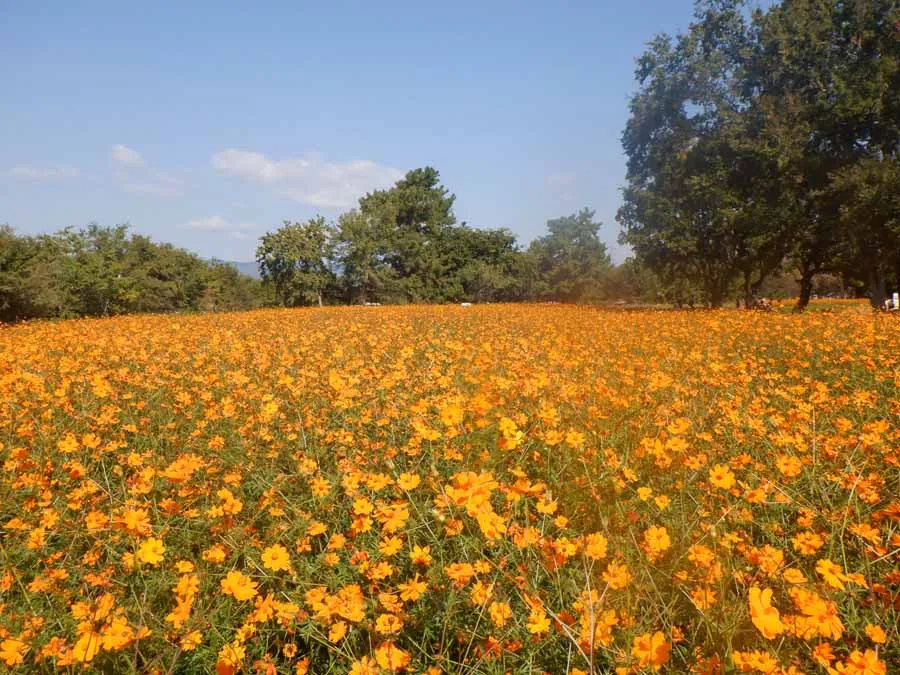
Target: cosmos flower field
point(488, 489)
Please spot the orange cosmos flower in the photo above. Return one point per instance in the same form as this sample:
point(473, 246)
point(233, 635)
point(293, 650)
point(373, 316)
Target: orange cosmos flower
point(860, 663)
point(876, 634)
point(13, 651)
point(500, 613)
point(595, 546)
point(239, 586)
point(721, 477)
point(388, 624)
point(538, 622)
point(151, 551)
point(765, 617)
point(364, 666)
point(831, 573)
point(651, 651)
point(656, 541)
point(390, 657)
point(276, 558)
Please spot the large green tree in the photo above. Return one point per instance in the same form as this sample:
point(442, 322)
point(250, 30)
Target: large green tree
point(361, 247)
point(403, 244)
point(295, 259)
point(747, 136)
point(409, 220)
point(690, 171)
point(826, 73)
point(571, 260)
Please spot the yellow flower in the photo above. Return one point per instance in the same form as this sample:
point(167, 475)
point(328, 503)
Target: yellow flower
point(420, 555)
point(793, 576)
point(500, 613)
point(860, 663)
point(651, 651)
point(390, 546)
point(238, 585)
point(831, 573)
point(807, 543)
point(390, 657)
point(412, 590)
point(151, 551)
point(184, 566)
point(214, 554)
point(408, 481)
point(364, 666)
point(316, 528)
point(12, 651)
point(595, 546)
point(276, 558)
point(721, 477)
point(617, 575)
point(765, 617)
point(388, 624)
point(191, 640)
point(876, 634)
point(538, 622)
point(337, 631)
point(656, 541)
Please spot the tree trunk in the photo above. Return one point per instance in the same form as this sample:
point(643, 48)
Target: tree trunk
point(319, 294)
point(877, 287)
point(806, 286)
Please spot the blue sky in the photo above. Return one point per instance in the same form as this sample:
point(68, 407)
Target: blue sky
point(205, 124)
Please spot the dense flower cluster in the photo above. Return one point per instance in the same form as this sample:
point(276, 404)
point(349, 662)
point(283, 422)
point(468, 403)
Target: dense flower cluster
point(444, 489)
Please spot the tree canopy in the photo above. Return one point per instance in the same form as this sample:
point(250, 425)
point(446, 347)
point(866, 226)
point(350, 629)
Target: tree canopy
point(404, 244)
point(766, 140)
point(100, 271)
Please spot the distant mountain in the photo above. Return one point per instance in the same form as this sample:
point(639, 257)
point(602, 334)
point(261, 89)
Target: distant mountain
point(250, 269)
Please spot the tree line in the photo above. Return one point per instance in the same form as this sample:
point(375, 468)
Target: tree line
point(404, 245)
point(400, 245)
point(100, 271)
point(767, 141)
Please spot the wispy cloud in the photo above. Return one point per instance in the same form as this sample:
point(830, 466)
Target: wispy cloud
point(125, 156)
point(136, 178)
point(36, 174)
point(309, 179)
point(220, 225)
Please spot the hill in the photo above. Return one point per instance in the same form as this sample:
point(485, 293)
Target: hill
point(250, 268)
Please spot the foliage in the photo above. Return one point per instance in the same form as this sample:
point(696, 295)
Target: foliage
point(101, 271)
point(295, 259)
point(404, 245)
point(571, 261)
point(745, 139)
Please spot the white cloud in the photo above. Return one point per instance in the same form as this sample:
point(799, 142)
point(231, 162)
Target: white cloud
point(309, 179)
point(47, 174)
point(221, 225)
point(136, 178)
point(125, 156)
